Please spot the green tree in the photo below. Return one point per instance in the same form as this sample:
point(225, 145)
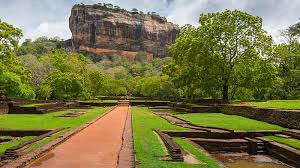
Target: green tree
point(156, 86)
point(67, 85)
point(287, 57)
point(97, 81)
point(41, 45)
point(14, 78)
point(9, 38)
point(224, 53)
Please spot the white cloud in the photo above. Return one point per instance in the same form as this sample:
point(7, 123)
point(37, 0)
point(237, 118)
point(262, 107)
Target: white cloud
point(50, 17)
point(50, 29)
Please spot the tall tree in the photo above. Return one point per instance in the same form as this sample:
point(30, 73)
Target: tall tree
point(14, 77)
point(9, 38)
point(227, 51)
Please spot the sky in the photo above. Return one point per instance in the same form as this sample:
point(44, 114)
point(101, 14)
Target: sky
point(50, 17)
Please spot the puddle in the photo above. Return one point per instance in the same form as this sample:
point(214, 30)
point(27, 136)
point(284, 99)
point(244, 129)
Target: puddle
point(243, 160)
point(43, 159)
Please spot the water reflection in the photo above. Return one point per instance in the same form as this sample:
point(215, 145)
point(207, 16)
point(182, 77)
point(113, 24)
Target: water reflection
point(244, 160)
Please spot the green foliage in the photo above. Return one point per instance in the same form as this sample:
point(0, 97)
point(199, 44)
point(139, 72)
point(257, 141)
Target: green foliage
point(40, 46)
point(14, 77)
point(12, 85)
point(156, 86)
point(66, 85)
point(227, 51)
point(44, 91)
point(9, 38)
point(287, 58)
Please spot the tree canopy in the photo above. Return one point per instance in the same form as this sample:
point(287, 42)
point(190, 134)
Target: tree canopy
point(228, 51)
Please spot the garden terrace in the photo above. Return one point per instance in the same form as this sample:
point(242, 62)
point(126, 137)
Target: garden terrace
point(242, 134)
point(281, 117)
point(16, 151)
point(150, 151)
point(29, 139)
point(36, 108)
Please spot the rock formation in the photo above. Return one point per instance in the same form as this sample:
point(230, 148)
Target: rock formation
point(108, 31)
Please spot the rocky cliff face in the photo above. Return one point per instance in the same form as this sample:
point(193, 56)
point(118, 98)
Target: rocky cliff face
point(110, 31)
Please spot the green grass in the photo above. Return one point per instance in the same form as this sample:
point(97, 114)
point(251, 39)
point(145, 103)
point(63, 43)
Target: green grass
point(285, 104)
point(44, 121)
point(14, 142)
point(192, 150)
point(294, 143)
point(47, 121)
point(149, 148)
point(233, 122)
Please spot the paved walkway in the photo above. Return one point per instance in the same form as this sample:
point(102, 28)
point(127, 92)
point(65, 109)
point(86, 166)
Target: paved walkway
point(96, 146)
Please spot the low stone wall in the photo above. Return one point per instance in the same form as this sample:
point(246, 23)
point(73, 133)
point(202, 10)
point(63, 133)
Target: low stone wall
point(284, 118)
point(220, 135)
point(3, 108)
point(15, 109)
point(222, 145)
point(149, 103)
point(282, 152)
point(99, 104)
point(22, 133)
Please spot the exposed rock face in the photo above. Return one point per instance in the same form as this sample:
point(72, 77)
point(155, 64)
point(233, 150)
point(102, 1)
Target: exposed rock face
point(110, 31)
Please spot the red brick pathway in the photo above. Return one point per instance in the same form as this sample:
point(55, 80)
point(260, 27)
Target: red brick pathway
point(96, 146)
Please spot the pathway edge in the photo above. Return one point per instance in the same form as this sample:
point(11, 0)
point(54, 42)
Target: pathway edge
point(26, 159)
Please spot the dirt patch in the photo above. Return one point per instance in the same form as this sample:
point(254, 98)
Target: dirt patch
point(189, 158)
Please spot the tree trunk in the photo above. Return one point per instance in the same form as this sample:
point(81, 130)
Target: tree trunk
point(225, 90)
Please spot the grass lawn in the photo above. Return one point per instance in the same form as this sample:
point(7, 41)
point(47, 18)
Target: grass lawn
point(233, 122)
point(14, 142)
point(285, 104)
point(149, 148)
point(44, 121)
point(47, 121)
point(294, 143)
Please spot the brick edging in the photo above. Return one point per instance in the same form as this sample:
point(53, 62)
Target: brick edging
point(126, 157)
point(30, 157)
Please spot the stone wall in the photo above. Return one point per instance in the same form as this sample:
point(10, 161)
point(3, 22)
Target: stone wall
point(3, 108)
point(284, 118)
